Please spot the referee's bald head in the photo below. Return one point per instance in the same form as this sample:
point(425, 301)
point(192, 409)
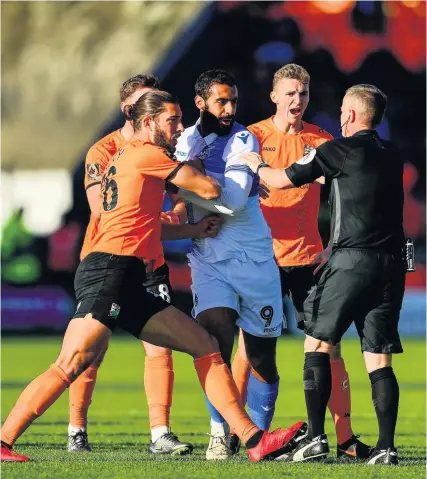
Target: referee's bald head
point(371, 102)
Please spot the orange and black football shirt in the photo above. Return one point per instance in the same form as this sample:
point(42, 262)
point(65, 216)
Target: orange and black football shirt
point(97, 159)
point(291, 214)
point(132, 198)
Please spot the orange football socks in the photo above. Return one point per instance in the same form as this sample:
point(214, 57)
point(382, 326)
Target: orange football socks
point(81, 391)
point(241, 370)
point(340, 401)
point(36, 398)
point(158, 383)
point(219, 386)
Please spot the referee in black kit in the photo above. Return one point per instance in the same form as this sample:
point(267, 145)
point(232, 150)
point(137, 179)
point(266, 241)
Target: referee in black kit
point(364, 278)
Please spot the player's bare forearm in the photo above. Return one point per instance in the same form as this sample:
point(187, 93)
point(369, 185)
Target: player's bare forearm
point(192, 180)
point(271, 176)
point(275, 178)
point(177, 232)
point(93, 194)
point(207, 227)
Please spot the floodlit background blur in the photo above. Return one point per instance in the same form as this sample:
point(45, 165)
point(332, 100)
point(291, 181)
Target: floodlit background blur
point(62, 67)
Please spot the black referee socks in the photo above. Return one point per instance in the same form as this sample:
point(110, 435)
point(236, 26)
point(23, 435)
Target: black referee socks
point(385, 396)
point(317, 390)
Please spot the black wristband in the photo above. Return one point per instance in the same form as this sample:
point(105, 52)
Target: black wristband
point(262, 165)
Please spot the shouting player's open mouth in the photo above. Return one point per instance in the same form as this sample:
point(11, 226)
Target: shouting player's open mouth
point(296, 111)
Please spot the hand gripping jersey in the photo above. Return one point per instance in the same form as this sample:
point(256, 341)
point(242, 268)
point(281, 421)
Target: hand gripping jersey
point(291, 214)
point(244, 231)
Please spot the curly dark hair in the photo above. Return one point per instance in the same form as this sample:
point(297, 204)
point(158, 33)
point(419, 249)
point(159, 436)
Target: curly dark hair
point(209, 78)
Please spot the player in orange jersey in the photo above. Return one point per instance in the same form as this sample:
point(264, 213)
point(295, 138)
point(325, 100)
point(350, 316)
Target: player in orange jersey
point(292, 216)
point(110, 289)
point(158, 371)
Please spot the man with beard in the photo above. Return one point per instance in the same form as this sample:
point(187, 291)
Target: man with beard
point(235, 279)
point(158, 370)
point(292, 215)
point(110, 288)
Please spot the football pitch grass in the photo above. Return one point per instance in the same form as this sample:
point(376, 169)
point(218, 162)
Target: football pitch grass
point(118, 420)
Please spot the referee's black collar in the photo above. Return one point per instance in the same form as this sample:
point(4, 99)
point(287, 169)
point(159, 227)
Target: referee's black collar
point(366, 132)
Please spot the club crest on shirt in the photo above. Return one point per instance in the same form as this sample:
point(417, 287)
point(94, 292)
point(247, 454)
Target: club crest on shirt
point(93, 171)
point(307, 149)
point(308, 156)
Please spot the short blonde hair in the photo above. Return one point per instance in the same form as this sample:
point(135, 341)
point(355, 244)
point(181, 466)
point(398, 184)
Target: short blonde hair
point(292, 71)
point(373, 100)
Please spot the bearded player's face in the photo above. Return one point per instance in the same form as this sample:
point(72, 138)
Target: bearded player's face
point(167, 127)
point(219, 110)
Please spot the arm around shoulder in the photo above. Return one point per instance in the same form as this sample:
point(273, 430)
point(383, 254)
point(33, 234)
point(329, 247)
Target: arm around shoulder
point(189, 179)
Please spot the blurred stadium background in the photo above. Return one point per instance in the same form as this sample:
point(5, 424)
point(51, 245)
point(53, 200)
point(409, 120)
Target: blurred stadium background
point(62, 67)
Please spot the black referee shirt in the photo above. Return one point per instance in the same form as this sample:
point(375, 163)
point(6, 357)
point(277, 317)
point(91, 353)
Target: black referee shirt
point(366, 176)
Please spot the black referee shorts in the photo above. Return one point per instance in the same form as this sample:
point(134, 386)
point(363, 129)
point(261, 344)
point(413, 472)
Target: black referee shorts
point(296, 282)
point(112, 288)
point(363, 286)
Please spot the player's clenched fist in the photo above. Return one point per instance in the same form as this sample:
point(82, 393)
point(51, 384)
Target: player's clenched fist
point(209, 226)
point(252, 159)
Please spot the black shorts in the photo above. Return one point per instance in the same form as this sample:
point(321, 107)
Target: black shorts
point(158, 283)
point(363, 286)
point(112, 288)
point(296, 282)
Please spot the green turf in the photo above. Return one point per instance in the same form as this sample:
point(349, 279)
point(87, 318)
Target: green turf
point(119, 425)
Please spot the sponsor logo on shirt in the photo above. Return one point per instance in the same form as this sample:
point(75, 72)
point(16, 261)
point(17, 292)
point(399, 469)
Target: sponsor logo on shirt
point(268, 148)
point(243, 136)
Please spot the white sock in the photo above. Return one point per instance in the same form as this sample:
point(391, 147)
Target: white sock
point(74, 430)
point(217, 428)
point(158, 432)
